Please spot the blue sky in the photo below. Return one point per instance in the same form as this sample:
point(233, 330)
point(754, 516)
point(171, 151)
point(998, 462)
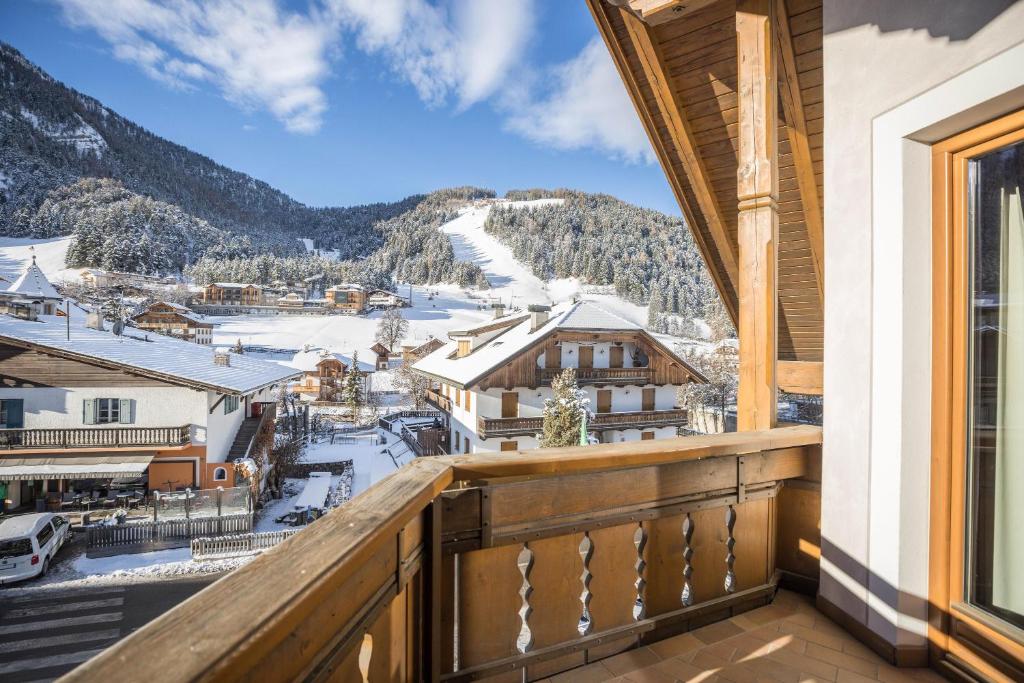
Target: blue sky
point(341, 102)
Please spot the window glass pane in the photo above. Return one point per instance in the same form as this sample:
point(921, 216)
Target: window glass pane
point(995, 510)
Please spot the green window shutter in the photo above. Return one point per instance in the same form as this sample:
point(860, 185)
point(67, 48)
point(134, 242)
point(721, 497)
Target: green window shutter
point(15, 413)
point(125, 412)
point(89, 411)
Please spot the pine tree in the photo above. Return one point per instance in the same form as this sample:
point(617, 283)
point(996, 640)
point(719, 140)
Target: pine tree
point(238, 348)
point(564, 411)
point(352, 388)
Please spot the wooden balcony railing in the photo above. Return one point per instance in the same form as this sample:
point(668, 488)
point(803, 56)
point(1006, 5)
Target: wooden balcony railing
point(438, 401)
point(638, 376)
point(488, 427)
point(95, 437)
point(458, 568)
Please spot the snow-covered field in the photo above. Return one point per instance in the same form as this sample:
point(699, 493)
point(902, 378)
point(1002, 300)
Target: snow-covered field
point(436, 309)
point(16, 253)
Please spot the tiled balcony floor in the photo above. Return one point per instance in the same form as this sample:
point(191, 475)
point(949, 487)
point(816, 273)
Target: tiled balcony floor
point(788, 641)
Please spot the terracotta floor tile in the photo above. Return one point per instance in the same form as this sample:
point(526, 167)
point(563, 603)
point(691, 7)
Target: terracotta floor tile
point(842, 660)
point(650, 674)
point(681, 670)
point(813, 635)
point(851, 677)
point(806, 619)
point(591, 673)
point(745, 622)
point(764, 615)
point(765, 633)
point(722, 650)
point(631, 660)
point(769, 668)
point(749, 646)
point(859, 649)
point(805, 665)
point(676, 645)
point(716, 632)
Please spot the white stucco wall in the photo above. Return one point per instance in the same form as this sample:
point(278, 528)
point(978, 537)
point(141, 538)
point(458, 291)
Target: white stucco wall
point(61, 408)
point(897, 77)
point(54, 407)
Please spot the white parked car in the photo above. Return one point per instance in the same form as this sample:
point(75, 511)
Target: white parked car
point(28, 544)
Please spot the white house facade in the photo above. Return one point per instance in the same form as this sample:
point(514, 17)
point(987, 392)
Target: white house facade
point(492, 380)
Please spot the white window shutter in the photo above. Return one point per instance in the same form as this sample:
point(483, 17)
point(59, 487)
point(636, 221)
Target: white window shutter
point(125, 415)
point(89, 411)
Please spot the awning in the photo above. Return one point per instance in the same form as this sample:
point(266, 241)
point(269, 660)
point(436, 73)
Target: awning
point(113, 466)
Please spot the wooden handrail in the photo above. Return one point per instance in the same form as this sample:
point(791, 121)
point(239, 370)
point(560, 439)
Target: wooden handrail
point(576, 459)
point(299, 611)
point(268, 620)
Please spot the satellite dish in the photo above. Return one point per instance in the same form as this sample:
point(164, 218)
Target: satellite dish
point(118, 328)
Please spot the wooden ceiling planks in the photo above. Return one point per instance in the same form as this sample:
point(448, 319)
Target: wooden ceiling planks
point(694, 130)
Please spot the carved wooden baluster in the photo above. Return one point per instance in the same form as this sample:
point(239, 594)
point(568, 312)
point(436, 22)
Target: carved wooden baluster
point(586, 552)
point(687, 596)
point(365, 655)
point(524, 643)
point(640, 541)
point(730, 543)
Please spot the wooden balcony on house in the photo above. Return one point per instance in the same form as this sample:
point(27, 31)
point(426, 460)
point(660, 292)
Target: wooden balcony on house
point(490, 427)
point(513, 565)
point(440, 402)
point(95, 437)
point(637, 376)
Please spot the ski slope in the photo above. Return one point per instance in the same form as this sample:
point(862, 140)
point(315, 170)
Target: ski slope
point(16, 254)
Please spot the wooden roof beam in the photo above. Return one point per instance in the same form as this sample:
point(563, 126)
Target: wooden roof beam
point(597, 10)
point(796, 128)
point(655, 12)
point(655, 70)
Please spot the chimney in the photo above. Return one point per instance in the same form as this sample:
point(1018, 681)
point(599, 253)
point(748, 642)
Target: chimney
point(499, 310)
point(222, 357)
point(94, 320)
point(538, 316)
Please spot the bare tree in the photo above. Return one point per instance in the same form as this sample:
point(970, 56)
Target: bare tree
point(413, 383)
point(285, 453)
point(706, 403)
point(392, 328)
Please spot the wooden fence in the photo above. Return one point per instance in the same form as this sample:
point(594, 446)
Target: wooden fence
point(206, 547)
point(165, 530)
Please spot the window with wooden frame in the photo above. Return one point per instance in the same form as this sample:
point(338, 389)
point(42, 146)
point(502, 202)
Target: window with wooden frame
point(976, 594)
point(509, 446)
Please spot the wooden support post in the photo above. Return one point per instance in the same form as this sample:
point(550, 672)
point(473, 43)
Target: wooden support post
point(758, 226)
point(432, 616)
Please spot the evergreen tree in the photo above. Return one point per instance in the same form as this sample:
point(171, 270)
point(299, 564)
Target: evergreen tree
point(352, 388)
point(238, 348)
point(564, 411)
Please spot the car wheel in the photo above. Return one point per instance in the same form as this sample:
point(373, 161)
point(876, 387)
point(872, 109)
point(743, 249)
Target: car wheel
point(46, 568)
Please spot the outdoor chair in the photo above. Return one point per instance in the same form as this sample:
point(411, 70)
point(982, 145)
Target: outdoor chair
point(110, 501)
point(68, 501)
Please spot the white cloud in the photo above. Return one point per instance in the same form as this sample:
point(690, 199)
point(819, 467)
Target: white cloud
point(586, 106)
point(453, 52)
point(462, 50)
point(256, 53)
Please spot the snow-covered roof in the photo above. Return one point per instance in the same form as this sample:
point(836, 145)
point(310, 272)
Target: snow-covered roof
point(344, 286)
point(306, 361)
point(166, 358)
point(233, 284)
point(33, 284)
point(581, 315)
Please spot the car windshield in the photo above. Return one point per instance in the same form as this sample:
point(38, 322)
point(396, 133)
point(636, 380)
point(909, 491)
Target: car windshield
point(16, 548)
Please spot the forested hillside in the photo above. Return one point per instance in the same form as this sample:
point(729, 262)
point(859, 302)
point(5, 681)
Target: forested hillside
point(51, 136)
point(647, 256)
point(412, 249)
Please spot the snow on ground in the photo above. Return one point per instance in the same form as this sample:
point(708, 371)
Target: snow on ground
point(436, 309)
point(74, 570)
point(16, 255)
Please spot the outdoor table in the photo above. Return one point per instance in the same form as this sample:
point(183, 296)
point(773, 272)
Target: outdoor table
point(122, 499)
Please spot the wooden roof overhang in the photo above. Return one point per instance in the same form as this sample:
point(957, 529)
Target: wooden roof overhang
point(678, 60)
